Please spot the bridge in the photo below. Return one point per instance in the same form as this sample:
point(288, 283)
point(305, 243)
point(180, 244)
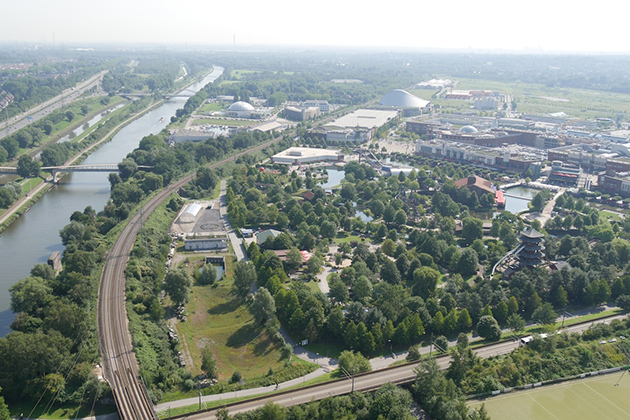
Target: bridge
point(54, 170)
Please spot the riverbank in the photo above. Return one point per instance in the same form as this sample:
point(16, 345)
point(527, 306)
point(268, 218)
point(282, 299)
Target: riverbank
point(22, 205)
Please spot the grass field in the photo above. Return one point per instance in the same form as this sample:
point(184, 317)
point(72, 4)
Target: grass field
point(583, 103)
point(225, 122)
point(593, 398)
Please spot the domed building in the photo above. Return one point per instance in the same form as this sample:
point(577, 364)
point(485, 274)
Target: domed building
point(468, 129)
point(240, 109)
point(410, 104)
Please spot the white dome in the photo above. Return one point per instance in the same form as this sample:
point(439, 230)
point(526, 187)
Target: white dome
point(468, 129)
point(240, 106)
point(404, 99)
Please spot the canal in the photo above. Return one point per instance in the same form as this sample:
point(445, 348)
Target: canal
point(33, 237)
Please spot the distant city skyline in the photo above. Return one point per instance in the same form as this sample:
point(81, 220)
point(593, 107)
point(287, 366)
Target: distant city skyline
point(535, 26)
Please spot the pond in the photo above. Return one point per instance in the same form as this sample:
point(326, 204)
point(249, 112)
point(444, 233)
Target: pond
point(335, 175)
point(516, 198)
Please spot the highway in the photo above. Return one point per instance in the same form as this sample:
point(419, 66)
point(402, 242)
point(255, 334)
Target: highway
point(38, 112)
point(120, 366)
point(364, 382)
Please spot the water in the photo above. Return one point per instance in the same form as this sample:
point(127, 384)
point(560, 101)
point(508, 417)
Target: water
point(32, 238)
point(79, 130)
point(363, 216)
point(335, 176)
point(516, 205)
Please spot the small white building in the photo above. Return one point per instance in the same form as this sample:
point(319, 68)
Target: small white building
point(189, 215)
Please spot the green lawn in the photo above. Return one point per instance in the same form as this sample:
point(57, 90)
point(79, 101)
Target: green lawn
point(345, 239)
point(592, 398)
point(214, 106)
point(218, 319)
point(537, 98)
point(226, 122)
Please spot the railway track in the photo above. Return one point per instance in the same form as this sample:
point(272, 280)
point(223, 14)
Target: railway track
point(120, 366)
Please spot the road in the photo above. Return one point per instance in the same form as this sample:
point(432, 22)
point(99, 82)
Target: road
point(119, 362)
point(40, 111)
point(364, 382)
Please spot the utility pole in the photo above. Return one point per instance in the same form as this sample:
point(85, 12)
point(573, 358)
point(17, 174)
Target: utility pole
point(199, 389)
point(345, 372)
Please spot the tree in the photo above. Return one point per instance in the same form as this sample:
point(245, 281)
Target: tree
point(472, 228)
point(468, 262)
point(127, 168)
point(353, 363)
point(271, 411)
point(207, 275)
point(264, 306)
point(425, 281)
point(400, 218)
point(512, 305)
point(208, 363)
point(30, 295)
point(244, 277)
point(70, 116)
point(544, 315)
point(177, 284)
point(293, 260)
point(441, 343)
point(27, 167)
point(362, 288)
point(390, 402)
point(464, 322)
point(338, 290)
point(516, 323)
point(488, 328)
point(314, 264)
point(4, 410)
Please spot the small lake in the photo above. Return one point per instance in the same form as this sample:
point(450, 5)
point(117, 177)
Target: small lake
point(335, 175)
point(363, 216)
point(519, 203)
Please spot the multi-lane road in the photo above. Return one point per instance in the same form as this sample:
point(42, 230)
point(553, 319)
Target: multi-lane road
point(41, 110)
point(120, 365)
point(365, 382)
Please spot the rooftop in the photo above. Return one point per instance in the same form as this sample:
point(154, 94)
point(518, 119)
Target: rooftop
point(364, 118)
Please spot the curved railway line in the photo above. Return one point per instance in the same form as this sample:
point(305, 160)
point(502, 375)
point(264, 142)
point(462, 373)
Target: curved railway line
point(120, 366)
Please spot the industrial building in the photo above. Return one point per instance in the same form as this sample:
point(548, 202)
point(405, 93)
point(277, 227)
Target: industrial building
point(300, 113)
point(358, 126)
point(205, 243)
point(302, 155)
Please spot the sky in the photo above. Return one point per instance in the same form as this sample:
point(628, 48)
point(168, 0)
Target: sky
point(535, 25)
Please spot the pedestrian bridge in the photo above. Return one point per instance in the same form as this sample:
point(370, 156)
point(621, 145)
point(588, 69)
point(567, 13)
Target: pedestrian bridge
point(54, 170)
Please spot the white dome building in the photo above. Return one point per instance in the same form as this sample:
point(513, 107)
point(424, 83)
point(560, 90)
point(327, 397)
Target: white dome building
point(240, 109)
point(410, 104)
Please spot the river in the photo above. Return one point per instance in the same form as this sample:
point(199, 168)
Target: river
point(33, 237)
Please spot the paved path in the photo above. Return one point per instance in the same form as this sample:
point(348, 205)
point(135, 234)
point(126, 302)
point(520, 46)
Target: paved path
point(237, 244)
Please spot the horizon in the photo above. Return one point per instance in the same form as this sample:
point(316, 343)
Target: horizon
point(537, 28)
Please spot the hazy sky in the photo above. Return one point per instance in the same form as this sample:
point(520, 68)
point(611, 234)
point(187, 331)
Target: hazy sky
point(550, 25)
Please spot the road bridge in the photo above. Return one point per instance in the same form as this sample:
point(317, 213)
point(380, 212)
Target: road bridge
point(54, 170)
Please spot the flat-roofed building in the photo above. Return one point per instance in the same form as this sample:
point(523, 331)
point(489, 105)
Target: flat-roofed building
point(302, 155)
point(205, 243)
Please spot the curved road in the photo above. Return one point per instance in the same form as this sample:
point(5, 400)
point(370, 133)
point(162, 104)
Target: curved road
point(119, 362)
point(364, 382)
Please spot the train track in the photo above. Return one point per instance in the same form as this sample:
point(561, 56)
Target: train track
point(120, 366)
point(402, 374)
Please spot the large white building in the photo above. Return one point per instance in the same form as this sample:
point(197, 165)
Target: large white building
point(302, 155)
